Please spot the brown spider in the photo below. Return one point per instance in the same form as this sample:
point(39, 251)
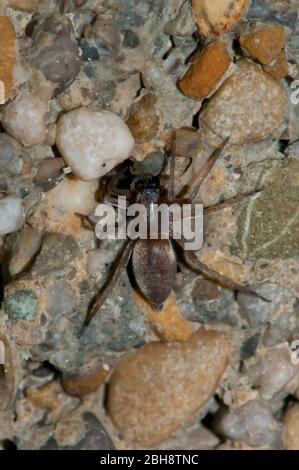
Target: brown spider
point(154, 262)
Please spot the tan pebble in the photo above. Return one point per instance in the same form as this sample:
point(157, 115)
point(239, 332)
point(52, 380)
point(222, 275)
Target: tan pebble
point(86, 380)
point(168, 323)
point(249, 107)
point(205, 71)
point(218, 16)
point(8, 56)
point(153, 391)
point(143, 121)
point(26, 247)
point(280, 68)
point(291, 429)
point(264, 45)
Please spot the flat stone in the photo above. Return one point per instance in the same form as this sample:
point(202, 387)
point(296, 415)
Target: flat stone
point(154, 391)
point(265, 44)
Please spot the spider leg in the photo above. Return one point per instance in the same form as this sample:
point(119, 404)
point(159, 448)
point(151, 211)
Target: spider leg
point(230, 202)
point(198, 266)
point(104, 294)
point(199, 177)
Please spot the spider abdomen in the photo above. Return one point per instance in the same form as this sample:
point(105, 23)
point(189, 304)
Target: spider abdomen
point(154, 266)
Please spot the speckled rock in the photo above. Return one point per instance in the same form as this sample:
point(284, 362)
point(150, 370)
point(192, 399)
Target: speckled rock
point(25, 248)
point(24, 119)
point(249, 106)
point(257, 312)
point(274, 211)
point(265, 44)
point(206, 70)
point(217, 17)
point(11, 156)
point(11, 215)
point(143, 121)
point(93, 142)
point(80, 93)
point(8, 57)
point(291, 428)
point(252, 423)
point(95, 437)
point(182, 375)
point(272, 372)
point(21, 305)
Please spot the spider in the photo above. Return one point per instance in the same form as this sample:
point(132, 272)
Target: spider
point(154, 262)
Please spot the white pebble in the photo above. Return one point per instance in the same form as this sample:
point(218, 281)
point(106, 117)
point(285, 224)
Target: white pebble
point(93, 142)
point(24, 119)
point(11, 215)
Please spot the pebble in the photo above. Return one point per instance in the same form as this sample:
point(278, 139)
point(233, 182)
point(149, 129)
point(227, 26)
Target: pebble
point(169, 323)
point(249, 107)
point(86, 380)
point(11, 156)
point(8, 56)
point(25, 248)
point(11, 215)
point(54, 51)
point(153, 391)
point(252, 423)
point(272, 372)
point(104, 29)
point(21, 304)
point(24, 119)
point(68, 197)
point(80, 93)
point(291, 428)
point(24, 5)
point(258, 312)
point(265, 44)
point(206, 70)
point(93, 142)
point(217, 17)
point(143, 121)
point(95, 437)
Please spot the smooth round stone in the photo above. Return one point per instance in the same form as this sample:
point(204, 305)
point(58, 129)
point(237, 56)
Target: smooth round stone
point(93, 142)
point(24, 119)
point(153, 391)
point(11, 215)
point(250, 106)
